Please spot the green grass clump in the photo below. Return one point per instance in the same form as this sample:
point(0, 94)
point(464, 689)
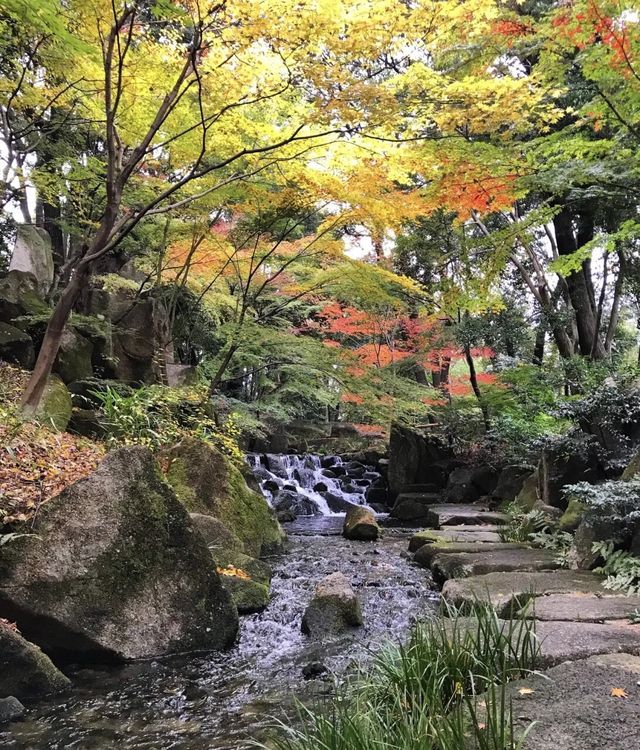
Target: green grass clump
point(444, 690)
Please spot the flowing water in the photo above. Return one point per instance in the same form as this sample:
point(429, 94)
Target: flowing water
point(223, 700)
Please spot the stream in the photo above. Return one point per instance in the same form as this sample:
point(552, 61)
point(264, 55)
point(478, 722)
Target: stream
point(222, 701)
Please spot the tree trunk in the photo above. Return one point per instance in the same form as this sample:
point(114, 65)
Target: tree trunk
point(538, 349)
point(579, 283)
point(473, 379)
point(51, 342)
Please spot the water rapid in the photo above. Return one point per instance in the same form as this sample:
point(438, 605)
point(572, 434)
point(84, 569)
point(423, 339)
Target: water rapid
point(220, 701)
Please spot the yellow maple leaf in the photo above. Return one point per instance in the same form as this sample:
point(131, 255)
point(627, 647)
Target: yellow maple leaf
point(526, 691)
point(618, 692)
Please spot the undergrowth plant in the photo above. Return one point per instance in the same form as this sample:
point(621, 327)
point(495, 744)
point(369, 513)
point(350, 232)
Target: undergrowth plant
point(444, 690)
point(621, 568)
point(157, 416)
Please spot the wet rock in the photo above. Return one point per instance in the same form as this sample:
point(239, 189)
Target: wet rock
point(320, 487)
point(25, 670)
point(293, 502)
point(328, 461)
point(414, 458)
point(115, 569)
point(378, 495)
point(271, 485)
point(314, 669)
point(378, 507)
point(360, 524)
point(206, 481)
point(337, 503)
point(16, 346)
point(329, 473)
point(333, 609)
point(286, 516)
point(11, 709)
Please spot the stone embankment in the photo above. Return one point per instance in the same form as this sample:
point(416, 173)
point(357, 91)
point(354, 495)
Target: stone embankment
point(588, 695)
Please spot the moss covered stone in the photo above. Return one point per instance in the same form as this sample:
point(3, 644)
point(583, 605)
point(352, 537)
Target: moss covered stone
point(207, 482)
point(248, 595)
point(55, 408)
point(26, 671)
point(528, 497)
point(571, 518)
point(115, 568)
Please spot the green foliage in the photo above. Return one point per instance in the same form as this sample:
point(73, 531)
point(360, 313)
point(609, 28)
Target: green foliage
point(621, 568)
point(522, 524)
point(614, 502)
point(424, 696)
point(157, 416)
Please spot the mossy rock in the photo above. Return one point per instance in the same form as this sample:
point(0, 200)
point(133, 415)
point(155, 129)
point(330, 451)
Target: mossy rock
point(115, 569)
point(74, 357)
point(258, 570)
point(16, 346)
point(528, 498)
point(633, 468)
point(206, 481)
point(19, 296)
point(26, 671)
point(248, 595)
point(55, 407)
point(573, 515)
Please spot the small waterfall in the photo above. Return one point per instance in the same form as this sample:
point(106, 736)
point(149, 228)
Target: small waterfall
point(307, 485)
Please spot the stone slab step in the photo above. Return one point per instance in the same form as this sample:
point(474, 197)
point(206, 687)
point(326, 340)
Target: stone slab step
point(570, 707)
point(422, 498)
point(512, 590)
point(449, 565)
point(458, 534)
point(427, 552)
point(582, 607)
point(462, 515)
point(409, 489)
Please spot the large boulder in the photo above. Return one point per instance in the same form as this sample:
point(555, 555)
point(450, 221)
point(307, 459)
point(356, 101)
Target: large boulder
point(510, 482)
point(360, 524)
point(74, 357)
point(215, 533)
point(414, 458)
point(208, 482)
point(114, 568)
point(26, 671)
point(16, 346)
point(19, 296)
point(32, 254)
point(333, 609)
point(559, 468)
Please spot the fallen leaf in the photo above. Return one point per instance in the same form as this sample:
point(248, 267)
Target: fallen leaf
point(618, 693)
point(526, 691)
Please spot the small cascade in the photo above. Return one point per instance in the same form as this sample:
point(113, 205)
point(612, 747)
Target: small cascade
point(308, 485)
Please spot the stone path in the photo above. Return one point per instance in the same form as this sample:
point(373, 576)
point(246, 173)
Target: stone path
point(589, 642)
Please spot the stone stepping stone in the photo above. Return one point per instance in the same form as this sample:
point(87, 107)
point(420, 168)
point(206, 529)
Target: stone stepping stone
point(570, 707)
point(507, 590)
point(473, 534)
point(448, 565)
point(583, 607)
point(437, 516)
point(427, 552)
point(421, 498)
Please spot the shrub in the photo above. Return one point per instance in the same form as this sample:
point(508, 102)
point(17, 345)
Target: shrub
point(157, 416)
point(424, 696)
